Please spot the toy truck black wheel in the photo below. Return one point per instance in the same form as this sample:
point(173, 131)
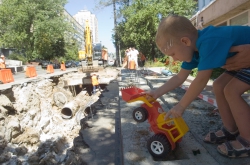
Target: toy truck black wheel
point(158, 146)
point(140, 114)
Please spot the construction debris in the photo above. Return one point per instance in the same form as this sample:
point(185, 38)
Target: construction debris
point(41, 121)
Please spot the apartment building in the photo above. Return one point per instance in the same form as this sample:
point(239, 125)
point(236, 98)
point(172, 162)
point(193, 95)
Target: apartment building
point(84, 15)
point(222, 13)
point(79, 30)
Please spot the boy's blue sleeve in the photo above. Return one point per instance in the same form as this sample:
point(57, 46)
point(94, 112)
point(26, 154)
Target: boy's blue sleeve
point(191, 65)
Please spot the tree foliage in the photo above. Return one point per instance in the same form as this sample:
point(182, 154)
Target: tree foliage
point(35, 26)
point(104, 3)
point(139, 22)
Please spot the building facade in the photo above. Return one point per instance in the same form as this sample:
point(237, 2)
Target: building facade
point(79, 30)
point(222, 13)
point(84, 15)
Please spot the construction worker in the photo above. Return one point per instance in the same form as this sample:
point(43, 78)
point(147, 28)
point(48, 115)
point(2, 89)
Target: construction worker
point(2, 62)
point(125, 61)
point(95, 83)
point(104, 56)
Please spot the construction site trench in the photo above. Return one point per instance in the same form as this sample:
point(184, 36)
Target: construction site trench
point(43, 120)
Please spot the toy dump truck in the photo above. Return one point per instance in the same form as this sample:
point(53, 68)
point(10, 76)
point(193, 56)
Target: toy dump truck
point(167, 132)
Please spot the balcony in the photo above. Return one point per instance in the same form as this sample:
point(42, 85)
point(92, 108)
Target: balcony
point(219, 11)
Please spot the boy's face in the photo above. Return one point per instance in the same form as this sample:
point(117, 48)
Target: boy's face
point(179, 51)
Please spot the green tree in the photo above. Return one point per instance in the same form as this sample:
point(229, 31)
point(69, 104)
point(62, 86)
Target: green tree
point(35, 26)
point(140, 21)
point(71, 50)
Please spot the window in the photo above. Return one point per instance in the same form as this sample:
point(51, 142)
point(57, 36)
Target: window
point(223, 24)
point(240, 19)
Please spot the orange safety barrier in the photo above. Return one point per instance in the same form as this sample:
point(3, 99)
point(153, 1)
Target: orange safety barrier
point(50, 69)
point(63, 67)
point(30, 71)
point(132, 64)
point(6, 76)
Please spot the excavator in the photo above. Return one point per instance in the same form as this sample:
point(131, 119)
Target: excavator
point(88, 44)
point(86, 56)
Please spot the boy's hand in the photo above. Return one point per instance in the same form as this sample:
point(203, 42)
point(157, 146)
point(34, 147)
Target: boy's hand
point(149, 98)
point(175, 112)
point(151, 95)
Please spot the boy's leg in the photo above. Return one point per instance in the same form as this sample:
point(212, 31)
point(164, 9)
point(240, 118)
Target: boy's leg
point(239, 107)
point(240, 111)
point(224, 109)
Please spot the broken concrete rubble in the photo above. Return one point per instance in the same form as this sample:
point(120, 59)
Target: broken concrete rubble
point(32, 130)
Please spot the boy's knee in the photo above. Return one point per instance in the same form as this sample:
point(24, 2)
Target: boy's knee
point(217, 86)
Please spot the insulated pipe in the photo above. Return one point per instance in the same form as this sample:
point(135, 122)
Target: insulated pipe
point(70, 108)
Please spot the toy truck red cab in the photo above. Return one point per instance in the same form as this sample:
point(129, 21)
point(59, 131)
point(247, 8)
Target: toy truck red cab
point(167, 132)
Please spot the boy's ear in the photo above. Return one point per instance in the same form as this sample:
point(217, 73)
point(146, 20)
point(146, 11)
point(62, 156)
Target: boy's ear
point(186, 41)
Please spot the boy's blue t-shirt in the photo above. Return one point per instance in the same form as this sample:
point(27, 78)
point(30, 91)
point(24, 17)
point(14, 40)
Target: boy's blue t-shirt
point(213, 46)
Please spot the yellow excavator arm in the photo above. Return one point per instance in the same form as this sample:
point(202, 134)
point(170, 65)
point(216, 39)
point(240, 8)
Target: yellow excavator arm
point(88, 43)
point(87, 54)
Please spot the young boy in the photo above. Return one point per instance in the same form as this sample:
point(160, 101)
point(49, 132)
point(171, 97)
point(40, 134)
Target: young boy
point(206, 50)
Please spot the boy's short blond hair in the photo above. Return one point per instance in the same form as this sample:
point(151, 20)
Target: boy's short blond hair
point(174, 27)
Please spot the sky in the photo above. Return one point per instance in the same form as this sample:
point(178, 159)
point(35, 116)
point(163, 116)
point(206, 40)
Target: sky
point(104, 16)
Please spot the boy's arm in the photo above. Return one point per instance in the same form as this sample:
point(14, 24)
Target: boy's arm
point(193, 91)
point(171, 84)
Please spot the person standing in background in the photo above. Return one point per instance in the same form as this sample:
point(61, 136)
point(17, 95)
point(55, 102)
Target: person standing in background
point(104, 56)
point(2, 62)
point(142, 59)
point(125, 61)
point(134, 56)
point(130, 58)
